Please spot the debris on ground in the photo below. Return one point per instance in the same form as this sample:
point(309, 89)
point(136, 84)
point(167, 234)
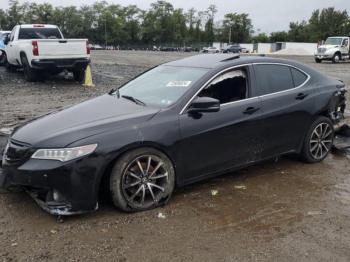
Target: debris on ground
point(161, 215)
point(314, 213)
point(14, 244)
point(214, 192)
point(240, 187)
point(53, 231)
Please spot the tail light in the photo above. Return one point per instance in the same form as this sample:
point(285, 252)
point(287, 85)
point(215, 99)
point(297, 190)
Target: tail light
point(87, 47)
point(35, 48)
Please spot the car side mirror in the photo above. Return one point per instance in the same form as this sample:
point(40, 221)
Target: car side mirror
point(204, 105)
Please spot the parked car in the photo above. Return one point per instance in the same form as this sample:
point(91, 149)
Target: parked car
point(3, 35)
point(176, 124)
point(211, 50)
point(334, 49)
point(42, 48)
point(233, 49)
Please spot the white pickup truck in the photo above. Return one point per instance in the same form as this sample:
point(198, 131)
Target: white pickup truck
point(42, 48)
point(334, 49)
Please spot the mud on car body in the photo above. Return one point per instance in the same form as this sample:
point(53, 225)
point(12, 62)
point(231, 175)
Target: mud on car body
point(176, 124)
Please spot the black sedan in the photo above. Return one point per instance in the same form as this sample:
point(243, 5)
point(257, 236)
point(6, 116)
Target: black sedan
point(176, 124)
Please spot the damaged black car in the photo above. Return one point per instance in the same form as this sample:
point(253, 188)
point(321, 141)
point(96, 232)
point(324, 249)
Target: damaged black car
point(176, 124)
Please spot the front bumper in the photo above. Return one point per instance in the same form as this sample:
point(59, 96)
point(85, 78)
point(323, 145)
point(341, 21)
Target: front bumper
point(60, 64)
point(60, 189)
point(323, 57)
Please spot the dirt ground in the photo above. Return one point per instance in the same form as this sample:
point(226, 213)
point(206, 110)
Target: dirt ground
point(275, 211)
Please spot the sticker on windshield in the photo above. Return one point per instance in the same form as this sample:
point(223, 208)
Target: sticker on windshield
point(179, 83)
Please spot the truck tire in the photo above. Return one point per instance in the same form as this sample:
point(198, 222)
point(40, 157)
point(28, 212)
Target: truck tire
point(79, 75)
point(318, 60)
point(30, 74)
point(3, 58)
point(336, 58)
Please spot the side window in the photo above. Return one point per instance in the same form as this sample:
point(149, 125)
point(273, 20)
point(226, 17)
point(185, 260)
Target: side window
point(229, 87)
point(345, 42)
point(299, 77)
point(273, 78)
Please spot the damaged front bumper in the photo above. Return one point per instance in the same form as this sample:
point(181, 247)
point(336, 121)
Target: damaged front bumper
point(58, 188)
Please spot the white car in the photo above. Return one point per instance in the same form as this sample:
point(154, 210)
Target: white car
point(42, 48)
point(211, 50)
point(334, 49)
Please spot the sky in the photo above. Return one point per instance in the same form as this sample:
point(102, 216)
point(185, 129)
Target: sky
point(267, 15)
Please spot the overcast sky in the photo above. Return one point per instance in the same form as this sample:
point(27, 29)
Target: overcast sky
point(267, 15)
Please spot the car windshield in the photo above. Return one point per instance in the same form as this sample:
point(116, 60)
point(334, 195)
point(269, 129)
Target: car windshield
point(162, 86)
point(334, 41)
point(39, 33)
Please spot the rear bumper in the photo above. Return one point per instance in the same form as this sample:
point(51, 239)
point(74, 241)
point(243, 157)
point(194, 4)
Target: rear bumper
point(60, 64)
point(60, 189)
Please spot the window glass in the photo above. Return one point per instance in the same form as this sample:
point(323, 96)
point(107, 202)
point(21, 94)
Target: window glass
point(39, 33)
point(273, 78)
point(228, 87)
point(163, 85)
point(345, 42)
point(298, 77)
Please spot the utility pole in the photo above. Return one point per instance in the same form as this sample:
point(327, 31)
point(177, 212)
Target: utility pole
point(106, 32)
point(229, 37)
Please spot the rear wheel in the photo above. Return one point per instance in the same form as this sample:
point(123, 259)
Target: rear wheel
point(79, 75)
point(30, 74)
point(318, 60)
point(318, 141)
point(142, 179)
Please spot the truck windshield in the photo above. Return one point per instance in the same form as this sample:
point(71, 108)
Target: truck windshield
point(162, 86)
point(39, 33)
point(333, 41)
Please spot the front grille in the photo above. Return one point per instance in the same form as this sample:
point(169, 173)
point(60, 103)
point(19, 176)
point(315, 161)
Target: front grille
point(16, 152)
point(321, 50)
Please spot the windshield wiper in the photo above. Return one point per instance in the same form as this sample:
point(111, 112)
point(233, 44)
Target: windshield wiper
point(135, 100)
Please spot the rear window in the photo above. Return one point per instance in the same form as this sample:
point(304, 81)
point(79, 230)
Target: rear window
point(273, 78)
point(299, 77)
point(39, 33)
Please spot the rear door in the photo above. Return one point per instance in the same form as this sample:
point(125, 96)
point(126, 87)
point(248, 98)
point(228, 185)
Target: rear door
point(286, 106)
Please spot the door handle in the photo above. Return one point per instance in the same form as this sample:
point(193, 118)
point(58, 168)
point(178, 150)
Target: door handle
point(251, 110)
point(301, 96)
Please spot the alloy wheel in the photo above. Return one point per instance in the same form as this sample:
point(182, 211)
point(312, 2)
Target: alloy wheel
point(321, 140)
point(144, 181)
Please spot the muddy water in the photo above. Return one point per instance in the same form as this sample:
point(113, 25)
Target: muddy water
point(274, 211)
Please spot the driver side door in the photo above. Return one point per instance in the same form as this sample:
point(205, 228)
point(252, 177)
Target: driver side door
point(217, 141)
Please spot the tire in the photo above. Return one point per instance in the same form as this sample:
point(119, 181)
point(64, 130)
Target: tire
point(318, 60)
point(133, 191)
point(318, 141)
point(79, 75)
point(3, 58)
point(30, 74)
point(336, 58)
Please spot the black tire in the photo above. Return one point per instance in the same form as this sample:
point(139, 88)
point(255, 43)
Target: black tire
point(315, 148)
point(30, 74)
point(336, 58)
point(129, 186)
point(318, 60)
point(79, 75)
point(3, 58)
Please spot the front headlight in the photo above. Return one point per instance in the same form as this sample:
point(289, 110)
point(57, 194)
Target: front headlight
point(64, 154)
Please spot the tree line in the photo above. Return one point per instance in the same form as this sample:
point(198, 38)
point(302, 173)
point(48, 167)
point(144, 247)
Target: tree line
point(162, 24)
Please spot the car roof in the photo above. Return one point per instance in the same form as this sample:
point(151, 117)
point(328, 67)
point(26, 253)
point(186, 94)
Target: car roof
point(212, 61)
point(38, 25)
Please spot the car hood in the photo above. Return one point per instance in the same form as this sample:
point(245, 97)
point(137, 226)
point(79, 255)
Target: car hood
point(95, 116)
point(328, 46)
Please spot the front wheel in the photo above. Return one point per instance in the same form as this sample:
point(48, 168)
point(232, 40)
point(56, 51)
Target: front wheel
point(336, 58)
point(318, 141)
point(317, 60)
point(142, 179)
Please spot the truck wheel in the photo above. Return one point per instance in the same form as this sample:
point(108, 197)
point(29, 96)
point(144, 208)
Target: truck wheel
point(79, 75)
point(318, 60)
point(2, 58)
point(336, 58)
point(142, 179)
point(30, 74)
point(318, 141)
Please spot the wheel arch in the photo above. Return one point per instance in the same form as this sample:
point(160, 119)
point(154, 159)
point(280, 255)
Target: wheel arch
point(105, 174)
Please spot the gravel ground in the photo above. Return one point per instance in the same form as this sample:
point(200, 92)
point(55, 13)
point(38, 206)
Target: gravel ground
point(275, 211)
